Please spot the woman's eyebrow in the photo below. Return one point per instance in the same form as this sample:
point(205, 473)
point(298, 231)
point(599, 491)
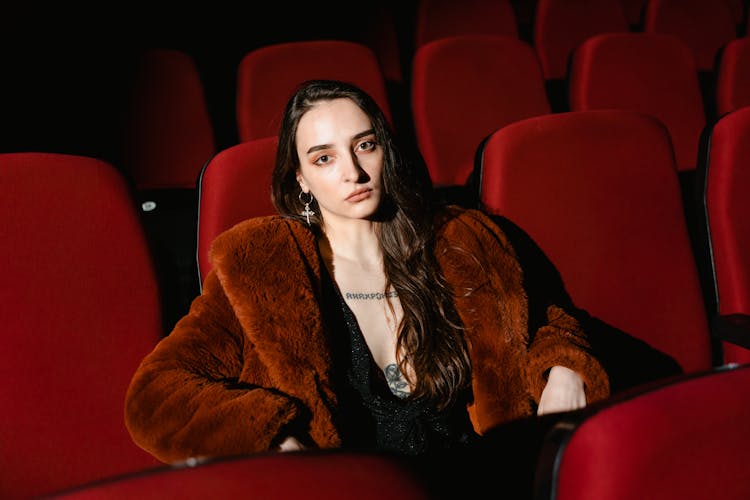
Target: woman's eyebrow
point(319, 147)
point(328, 146)
point(363, 134)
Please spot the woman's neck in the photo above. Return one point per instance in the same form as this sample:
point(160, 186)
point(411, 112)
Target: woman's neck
point(355, 241)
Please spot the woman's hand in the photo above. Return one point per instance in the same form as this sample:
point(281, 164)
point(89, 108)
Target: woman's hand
point(563, 392)
point(291, 444)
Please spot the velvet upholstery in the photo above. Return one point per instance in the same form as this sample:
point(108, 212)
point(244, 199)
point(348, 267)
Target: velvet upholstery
point(234, 185)
point(649, 73)
point(254, 348)
point(331, 475)
point(684, 439)
point(733, 76)
point(437, 19)
point(598, 193)
point(79, 301)
point(168, 134)
point(728, 212)
point(704, 25)
point(268, 75)
point(561, 25)
point(466, 87)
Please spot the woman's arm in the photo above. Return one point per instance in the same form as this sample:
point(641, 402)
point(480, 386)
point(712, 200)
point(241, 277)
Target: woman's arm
point(556, 338)
point(186, 399)
point(561, 343)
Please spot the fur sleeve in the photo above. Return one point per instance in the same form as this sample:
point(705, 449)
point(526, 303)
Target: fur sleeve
point(185, 399)
point(562, 342)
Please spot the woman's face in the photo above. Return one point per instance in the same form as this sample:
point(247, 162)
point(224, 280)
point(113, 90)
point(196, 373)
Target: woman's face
point(341, 163)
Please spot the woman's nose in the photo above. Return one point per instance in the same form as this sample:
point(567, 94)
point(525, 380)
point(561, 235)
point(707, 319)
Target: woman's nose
point(351, 170)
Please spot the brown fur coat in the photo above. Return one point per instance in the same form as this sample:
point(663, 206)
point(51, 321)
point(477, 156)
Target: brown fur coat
point(251, 357)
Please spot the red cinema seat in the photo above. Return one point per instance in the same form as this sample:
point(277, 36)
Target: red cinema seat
point(436, 19)
point(598, 193)
point(727, 211)
point(334, 475)
point(733, 76)
point(562, 25)
point(684, 439)
point(233, 186)
point(80, 308)
point(464, 88)
point(168, 133)
point(268, 76)
point(704, 25)
point(649, 73)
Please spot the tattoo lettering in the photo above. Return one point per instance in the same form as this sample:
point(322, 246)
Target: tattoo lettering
point(370, 296)
point(396, 381)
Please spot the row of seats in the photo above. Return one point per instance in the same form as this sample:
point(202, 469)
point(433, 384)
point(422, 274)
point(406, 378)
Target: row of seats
point(558, 26)
point(170, 135)
point(591, 195)
point(461, 91)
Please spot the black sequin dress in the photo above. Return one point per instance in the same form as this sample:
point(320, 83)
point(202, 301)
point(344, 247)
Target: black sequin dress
point(370, 416)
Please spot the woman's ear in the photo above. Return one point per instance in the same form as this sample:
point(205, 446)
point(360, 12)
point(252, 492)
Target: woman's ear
point(302, 183)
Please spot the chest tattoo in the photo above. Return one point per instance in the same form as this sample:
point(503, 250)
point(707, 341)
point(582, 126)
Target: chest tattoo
point(396, 381)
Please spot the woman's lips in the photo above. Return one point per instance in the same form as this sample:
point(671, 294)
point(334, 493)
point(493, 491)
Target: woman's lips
point(359, 195)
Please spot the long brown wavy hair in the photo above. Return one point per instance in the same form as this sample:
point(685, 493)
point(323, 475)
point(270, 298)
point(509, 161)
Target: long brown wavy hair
point(430, 339)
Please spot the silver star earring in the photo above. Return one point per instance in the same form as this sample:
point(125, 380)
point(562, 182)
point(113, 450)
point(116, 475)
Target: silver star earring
point(306, 212)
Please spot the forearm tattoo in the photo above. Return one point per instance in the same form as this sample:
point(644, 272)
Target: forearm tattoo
point(396, 381)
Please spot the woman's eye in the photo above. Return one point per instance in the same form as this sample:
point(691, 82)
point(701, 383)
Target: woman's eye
point(322, 160)
point(366, 145)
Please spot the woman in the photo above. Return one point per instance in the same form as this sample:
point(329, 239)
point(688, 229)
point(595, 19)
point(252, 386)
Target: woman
point(360, 317)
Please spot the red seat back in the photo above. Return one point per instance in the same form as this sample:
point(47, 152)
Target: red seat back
point(329, 475)
point(733, 76)
point(234, 185)
point(168, 133)
point(728, 211)
point(704, 25)
point(561, 25)
point(648, 73)
point(463, 89)
point(598, 193)
point(686, 439)
point(268, 76)
point(80, 308)
point(436, 19)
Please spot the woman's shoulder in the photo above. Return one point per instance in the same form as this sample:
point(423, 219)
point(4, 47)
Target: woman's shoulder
point(457, 218)
point(257, 234)
point(456, 224)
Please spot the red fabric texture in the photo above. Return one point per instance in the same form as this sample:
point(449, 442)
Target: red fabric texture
point(267, 77)
point(334, 475)
point(728, 210)
point(436, 19)
point(687, 440)
point(598, 193)
point(704, 25)
point(169, 135)
point(80, 309)
point(561, 25)
point(235, 185)
point(463, 89)
point(648, 73)
point(733, 77)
